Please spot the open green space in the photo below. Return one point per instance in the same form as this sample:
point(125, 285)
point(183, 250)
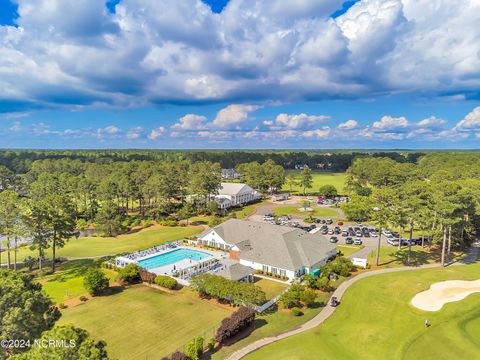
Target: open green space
point(144, 323)
point(376, 321)
point(270, 287)
point(67, 282)
point(391, 256)
point(100, 246)
point(319, 179)
point(274, 323)
point(290, 210)
point(349, 249)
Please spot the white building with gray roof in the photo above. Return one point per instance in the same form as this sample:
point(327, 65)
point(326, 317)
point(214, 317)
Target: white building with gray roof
point(234, 194)
point(271, 248)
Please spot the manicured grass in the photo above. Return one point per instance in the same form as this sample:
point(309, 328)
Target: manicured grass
point(99, 246)
point(271, 288)
point(319, 179)
point(376, 321)
point(243, 212)
point(273, 324)
point(67, 282)
point(349, 249)
point(144, 323)
point(289, 210)
point(390, 256)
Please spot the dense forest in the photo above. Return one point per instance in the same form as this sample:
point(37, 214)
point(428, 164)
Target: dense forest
point(20, 161)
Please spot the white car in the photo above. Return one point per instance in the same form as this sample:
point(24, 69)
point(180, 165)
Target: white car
point(386, 233)
point(373, 233)
point(392, 241)
point(357, 241)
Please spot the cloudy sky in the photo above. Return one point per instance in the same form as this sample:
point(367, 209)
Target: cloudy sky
point(240, 74)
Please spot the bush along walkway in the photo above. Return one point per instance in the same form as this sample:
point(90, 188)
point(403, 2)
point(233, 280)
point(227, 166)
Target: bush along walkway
point(328, 310)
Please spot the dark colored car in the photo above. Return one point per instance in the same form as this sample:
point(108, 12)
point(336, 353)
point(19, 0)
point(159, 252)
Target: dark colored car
point(333, 239)
point(334, 301)
point(329, 221)
point(349, 240)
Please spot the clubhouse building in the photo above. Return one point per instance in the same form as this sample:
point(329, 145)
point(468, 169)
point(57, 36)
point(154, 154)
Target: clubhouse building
point(280, 250)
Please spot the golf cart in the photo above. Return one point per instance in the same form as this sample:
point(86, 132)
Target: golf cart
point(334, 301)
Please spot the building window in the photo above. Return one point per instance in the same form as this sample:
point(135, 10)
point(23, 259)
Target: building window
point(265, 268)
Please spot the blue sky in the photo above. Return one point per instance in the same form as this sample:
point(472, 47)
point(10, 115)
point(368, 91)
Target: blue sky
point(239, 74)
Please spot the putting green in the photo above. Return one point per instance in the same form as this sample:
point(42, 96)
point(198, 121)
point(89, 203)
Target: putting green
point(377, 321)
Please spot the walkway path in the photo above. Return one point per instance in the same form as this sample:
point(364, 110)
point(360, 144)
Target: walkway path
point(327, 311)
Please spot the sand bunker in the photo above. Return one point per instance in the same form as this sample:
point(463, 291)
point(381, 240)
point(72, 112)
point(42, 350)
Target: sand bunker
point(444, 292)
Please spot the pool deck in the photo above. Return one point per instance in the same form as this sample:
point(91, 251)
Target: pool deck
point(182, 264)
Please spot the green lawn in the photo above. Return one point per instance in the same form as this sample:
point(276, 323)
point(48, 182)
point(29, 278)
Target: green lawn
point(271, 288)
point(99, 246)
point(243, 212)
point(349, 249)
point(390, 256)
point(144, 323)
point(376, 321)
point(273, 324)
point(319, 179)
point(67, 282)
point(289, 210)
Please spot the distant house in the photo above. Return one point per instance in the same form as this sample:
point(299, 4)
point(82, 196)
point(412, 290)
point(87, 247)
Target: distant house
point(230, 174)
point(280, 197)
point(301, 166)
point(280, 250)
point(234, 194)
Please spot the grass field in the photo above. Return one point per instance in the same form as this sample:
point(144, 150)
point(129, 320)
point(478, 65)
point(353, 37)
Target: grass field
point(271, 288)
point(376, 321)
point(349, 249)
point(319, 179)
point(99, 246)
point(144, 323)
point(390, 256)
point(67, 282)
point(289, 210)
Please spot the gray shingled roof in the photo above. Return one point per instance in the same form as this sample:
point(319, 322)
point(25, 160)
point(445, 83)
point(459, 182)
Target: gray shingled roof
point(236, 271)
point(275, 245)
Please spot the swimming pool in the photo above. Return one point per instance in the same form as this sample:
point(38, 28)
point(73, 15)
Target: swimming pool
point(172, 257)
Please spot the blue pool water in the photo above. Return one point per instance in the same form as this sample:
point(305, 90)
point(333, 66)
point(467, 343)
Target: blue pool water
point(172, 257)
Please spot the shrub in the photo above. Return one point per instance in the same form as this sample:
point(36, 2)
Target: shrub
point(238, 321)
point(146, 276)
point(130, 274)
point(95, 281)
point(147, 223)
point(323, 284)
point(194, 349)
point(83, 298)
point(296, 311)
point(168, 223)
point(166, 282)
point(135, 222)
point(292, 296)
point(211, 345)
point(234, 292)
point(81, 224)
point(177, 355)
point(215, 221)
point(62, 306)
point(308, 297)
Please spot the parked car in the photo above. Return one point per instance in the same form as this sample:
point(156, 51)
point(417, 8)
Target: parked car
point(340, 223)
point(387, 234)
point(337, 230)
point(344, 233)
point(373, 233)
point(329, 221)
point(333, 239)
point(324, 231)
point(349, 240)
point(392, 241)
point(357, 241)
point(358, 234)
point(330, 232)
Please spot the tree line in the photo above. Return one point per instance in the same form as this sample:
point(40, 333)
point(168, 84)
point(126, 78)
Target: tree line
point(438, 195)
